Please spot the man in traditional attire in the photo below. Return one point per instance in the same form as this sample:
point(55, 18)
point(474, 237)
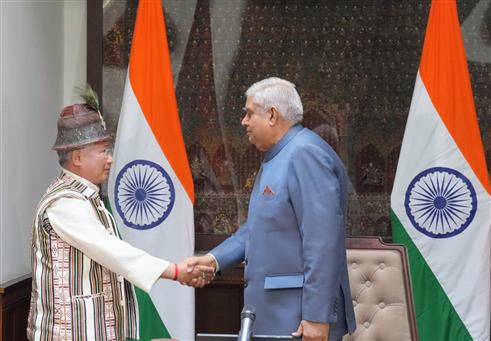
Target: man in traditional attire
point(83, 273)
point(293, 242)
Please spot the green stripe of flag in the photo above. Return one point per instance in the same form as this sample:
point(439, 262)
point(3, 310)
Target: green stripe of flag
point(436, 317)
point(151, 326)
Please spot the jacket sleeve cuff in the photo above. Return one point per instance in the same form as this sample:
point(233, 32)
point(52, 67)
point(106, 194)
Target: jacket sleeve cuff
point(217, 269)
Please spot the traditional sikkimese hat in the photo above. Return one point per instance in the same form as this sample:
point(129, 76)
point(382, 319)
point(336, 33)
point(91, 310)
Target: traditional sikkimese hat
point(81, 124)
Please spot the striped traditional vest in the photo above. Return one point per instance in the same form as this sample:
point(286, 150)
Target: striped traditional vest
point(73, 297)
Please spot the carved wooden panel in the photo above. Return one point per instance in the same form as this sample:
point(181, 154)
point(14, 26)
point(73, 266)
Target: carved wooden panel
point(354, 64)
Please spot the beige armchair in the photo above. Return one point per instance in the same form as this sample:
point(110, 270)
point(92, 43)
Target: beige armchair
point(381, 291)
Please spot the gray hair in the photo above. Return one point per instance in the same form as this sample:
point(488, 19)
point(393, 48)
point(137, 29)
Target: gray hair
point(278, 93)
point(63, 157)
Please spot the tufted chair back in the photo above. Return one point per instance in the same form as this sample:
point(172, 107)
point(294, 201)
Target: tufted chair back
point(381, 291)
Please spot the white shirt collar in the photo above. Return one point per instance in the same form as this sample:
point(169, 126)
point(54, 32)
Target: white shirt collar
point(84, 181)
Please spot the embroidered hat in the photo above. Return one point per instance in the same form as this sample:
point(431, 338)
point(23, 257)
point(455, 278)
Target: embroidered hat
point(81, 124)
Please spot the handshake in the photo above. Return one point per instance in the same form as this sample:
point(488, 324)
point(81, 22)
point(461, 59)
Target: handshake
point(193, 271)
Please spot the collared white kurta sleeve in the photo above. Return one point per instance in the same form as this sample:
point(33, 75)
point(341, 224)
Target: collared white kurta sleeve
point(75, 221)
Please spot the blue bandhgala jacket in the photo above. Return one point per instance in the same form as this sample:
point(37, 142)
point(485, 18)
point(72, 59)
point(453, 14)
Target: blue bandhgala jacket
point(293, 242)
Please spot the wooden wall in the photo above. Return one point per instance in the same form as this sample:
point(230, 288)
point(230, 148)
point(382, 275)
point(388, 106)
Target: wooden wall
point(15, 296)
point(219, 304)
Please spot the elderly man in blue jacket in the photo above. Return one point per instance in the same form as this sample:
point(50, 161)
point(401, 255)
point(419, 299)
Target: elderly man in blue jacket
point(293, 242)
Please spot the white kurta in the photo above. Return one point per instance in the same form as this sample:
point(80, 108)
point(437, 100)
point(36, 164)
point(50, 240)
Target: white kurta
point(75, 222)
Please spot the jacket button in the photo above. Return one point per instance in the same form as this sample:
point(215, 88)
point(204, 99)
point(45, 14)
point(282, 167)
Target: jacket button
point(246, 261)
point(245, 284)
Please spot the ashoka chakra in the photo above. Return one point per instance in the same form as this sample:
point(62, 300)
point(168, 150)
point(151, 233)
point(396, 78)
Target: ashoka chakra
point(440, 202)
point(144, 194)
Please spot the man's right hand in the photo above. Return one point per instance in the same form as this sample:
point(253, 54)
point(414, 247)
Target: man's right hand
point(190, 272)
point(193, 263)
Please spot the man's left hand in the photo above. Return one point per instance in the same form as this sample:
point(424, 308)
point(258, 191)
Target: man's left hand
point(312, 331)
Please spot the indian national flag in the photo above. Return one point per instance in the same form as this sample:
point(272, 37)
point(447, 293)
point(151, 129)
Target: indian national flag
point(441, 197)
point(150, 186)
